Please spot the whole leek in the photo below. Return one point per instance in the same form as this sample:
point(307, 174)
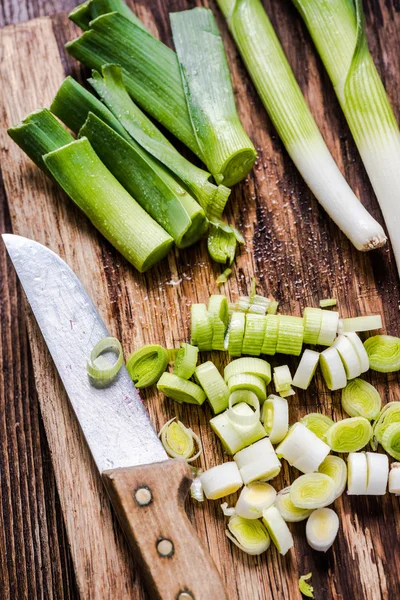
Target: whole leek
point(282, 98)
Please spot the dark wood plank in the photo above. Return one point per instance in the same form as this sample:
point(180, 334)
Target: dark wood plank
point(297, 254)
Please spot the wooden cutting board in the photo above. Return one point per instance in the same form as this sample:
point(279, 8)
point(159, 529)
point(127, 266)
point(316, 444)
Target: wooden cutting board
point(297, 255)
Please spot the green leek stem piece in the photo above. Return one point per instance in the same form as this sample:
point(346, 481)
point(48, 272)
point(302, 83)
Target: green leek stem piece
point(111, 89)
point(349, 435)
point(270, 335)
point(233, 437)
point(338, 31)
point(305, 588)
point(389, 414)
point(82, 175)
point(151, 70)
point(146, 365)
point(212, 382)
point(243, 381)
point(236, 333)
point(148, 182)
point(391, 440)
point(201, 327)
point(312, 490)
point(89, 10)
point(38, 134)
point(383, 353)
point(223, 278)
point(186, 361)
point(224, 144)
point(99, 368)
point(221, 243)
point(273, 78)
point(327, 302)
point(317, 423)
point(73, 103)
point(254, 334)
point(81, 15)
point(290, 335)
point(273, 307)
point(180, 389)
point(178, 440)
point(361, 399)
point(312, 318)
point(249, 535)
point(253, 366)
point(218, 309)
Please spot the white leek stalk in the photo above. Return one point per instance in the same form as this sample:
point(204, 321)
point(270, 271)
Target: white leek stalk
point(233, 437)
point(277, 529)
point(248, 534)
point(359, 348)
point(394, 478)
point(378, 473)
point(322, 528)
point(313, 490)
point(303, 449)
point(349, 356)
point(221, 480)
point(306, 369)
point(357, 474)
point(329, 326)
point(275, 416)
point(282, 378)
point(258, 461)
point(365, 323)
point(336, 468)
point(332, 369)
point(273, 78)
point(254, 498)
point(290, 512)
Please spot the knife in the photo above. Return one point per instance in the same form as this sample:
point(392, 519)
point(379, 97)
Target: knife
point(147, 490)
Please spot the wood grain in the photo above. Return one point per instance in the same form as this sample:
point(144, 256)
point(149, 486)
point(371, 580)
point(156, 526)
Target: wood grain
point(298, 256)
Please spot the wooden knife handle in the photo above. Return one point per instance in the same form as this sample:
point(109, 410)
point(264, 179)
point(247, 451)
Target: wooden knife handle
point(149, 503)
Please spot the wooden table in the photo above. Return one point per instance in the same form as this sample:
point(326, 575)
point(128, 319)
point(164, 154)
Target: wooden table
point(297, 255)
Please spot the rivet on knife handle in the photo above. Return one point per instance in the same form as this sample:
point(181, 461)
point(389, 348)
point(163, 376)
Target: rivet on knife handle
point(149, 502)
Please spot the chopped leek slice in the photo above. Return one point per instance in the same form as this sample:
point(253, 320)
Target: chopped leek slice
point(313, 490)
point(322, 528)
point(254, 498)
point(223, 143)
point(366, 323)
point(383, 353)
point(332, 369)
point(389, 414)
point(317, 423)
point(303, 449)
point(329, 326)
point(186, 361)
point(378, 473)
point(180, 389)
point(312, 318)
point(146, 365)
point(305, 588)
point(288, 510)
point(271, 335)
point(274, 80)
point(258, 462)
point(178, 441)
point(84, 13)
point(223, 278)
point(254, 334)
point(252, 366)
point(273, 308)
point(108, 205)
point(201, 327)
point(100, 370)
point(282, 378)
point(361, 399)
point(196, 489)
point(221, 480)
point(394, 478)
point(248, 534)
point(233, 437)
point(391, 440)
point(359, 348)
point(221, 243)
point(336, 468)
point(357, 474)
point(306, 369)
point(349, 435)
point(244, 381)
point(236, 333)
point(326, 303)
point(290, 335)
point(212, 382)
point(349, 356)
point(238, 418)
point(228, 511)
point(218, 309)
point(275, 416)
point(277, 529)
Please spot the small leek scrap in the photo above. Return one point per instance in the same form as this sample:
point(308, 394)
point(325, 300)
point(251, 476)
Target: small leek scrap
point(178, 441)
point(206, 81)
point(338, 30)
point(249, 535)
point(100, 369)
point(305, 588)
point(89, 10)
point(222, 241)
point(273, 78)
point(223, 278)
point(146, 365)
point(82, 175)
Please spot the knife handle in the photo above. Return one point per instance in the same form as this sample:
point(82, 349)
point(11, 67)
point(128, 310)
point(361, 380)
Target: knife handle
point(149, 503)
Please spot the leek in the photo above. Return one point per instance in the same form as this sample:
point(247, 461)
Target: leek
point(275, 417)
point(89, 10)
point(221, 480)
point(282, 378)
point(322, 528)
point(223, 278)
point(290, 512)
point(99, 369)
point(349, 435)
point(290, 335)
point(253, 334)
point(361, 399)
point(180, 390)
point(313, 490)
point(186, 361)
point(349, 356)
point(332, 369)
point(336, 468)
point(254, 498)
point(244, 381)
point(148, 182)
point(312, 318)
point(271, 335)
point(359, 348)
point(357, 474)
point(303, 449)
point(394, 478)
point(111, 89)
point(366, 323)
point(239, 419)
point(201, 327)
point(108, 205)
point(383, 353)
point(317, 423)
point(236, 333)
point(146, 365)
point(234, 438)
point(218, 309)
point(282, 98)
point(253, 366)
point(389, 414)
point(214, 386)
point(277, 529)
point(327, 302)
point(329, 326)
point(306, 369)
point(391, 440)
point(338, 30)
point(258, 462)
point(378, 473)
point(223, 143)
point(221, 242)
point(248, 535)
point(306, 588)
point(178, 441)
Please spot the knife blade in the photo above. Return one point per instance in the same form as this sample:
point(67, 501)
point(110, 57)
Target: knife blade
point(147, 490)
